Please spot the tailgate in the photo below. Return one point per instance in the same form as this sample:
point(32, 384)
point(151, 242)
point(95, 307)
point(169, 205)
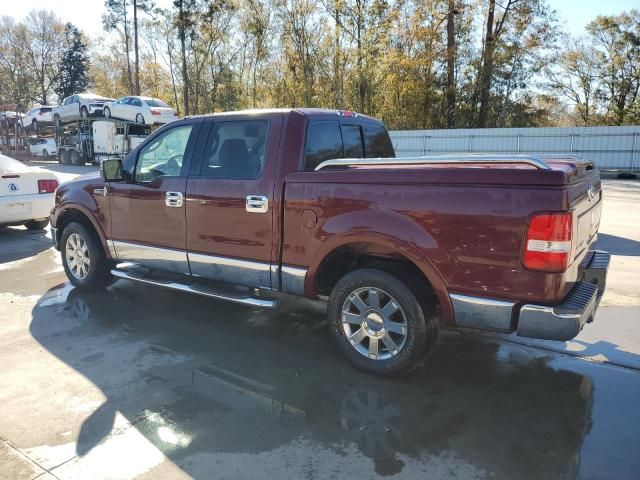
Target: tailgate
point(585, 200)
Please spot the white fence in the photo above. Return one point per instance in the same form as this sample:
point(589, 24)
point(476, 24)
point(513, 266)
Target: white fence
point(609, 147)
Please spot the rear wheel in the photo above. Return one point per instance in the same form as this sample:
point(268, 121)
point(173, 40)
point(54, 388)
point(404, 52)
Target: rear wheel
point(83, 258)
point(64, 158)
point(45, 153)
point(75, 158)
point(36, 224)
point(107, 112)
point(34, 125)
point(140, 119)
point(84, 113)
point(378, 323)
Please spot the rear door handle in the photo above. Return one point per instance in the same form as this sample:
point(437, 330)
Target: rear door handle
point(173, 199)
point(257, 204)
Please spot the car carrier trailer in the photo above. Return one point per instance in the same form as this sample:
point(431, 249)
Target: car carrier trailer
point(92, 140)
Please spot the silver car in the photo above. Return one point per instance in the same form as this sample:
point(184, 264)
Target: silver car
point(83, 105)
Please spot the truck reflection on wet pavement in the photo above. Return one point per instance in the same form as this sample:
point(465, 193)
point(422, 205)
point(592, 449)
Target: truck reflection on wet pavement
point(208, 382)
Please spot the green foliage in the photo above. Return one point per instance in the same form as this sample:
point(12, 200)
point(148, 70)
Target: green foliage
point(74, 64)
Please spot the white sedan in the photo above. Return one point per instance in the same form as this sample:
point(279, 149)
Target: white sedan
point(26, 194)
point(142, 110)
point(43, 147)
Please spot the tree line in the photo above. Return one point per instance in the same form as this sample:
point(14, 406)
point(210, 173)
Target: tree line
point(412, 63)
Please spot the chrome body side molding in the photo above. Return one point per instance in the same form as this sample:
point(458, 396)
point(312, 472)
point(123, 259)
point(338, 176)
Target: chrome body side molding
point(293, 279)
point(482, 313)
point(169, 259)
point(230, 270)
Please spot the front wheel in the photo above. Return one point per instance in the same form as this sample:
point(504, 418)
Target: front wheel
point(34, 125)
point(106, 112)
point(84, 259)
point(378, 323)
point(84, 113)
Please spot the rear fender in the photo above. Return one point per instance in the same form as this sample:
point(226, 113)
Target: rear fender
point(391, 231)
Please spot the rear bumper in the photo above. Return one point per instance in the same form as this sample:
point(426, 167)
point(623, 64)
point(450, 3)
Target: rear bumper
point(559, 322)
point(564, 322)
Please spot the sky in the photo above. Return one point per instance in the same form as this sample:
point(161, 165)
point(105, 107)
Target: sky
point(87, 14)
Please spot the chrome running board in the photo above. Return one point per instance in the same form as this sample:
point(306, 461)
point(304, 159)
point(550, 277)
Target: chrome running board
point(130, 273)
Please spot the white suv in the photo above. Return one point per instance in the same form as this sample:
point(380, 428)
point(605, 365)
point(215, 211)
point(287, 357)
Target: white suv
point(83, 105)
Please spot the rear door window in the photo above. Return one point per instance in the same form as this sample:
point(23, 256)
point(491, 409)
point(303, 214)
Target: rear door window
point(324, 142)
point(377, 142)
point(235, 150)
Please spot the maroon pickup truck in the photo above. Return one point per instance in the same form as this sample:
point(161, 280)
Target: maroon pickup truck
point(250, 206)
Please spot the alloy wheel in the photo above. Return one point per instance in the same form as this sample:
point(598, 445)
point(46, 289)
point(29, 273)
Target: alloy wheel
point(77, 255)
point(374, 323)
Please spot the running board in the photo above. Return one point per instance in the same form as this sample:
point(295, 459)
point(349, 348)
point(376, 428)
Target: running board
point(198, 289)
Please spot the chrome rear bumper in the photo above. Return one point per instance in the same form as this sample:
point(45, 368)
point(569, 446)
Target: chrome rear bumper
point(563, 322)
point(558, 322)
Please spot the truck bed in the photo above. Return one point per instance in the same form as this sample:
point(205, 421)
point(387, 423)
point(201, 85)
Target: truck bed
point(466, 222)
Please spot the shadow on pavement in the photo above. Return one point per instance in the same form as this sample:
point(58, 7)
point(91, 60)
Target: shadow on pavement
point(204, 380)
point(618, 245)
point(24, 243)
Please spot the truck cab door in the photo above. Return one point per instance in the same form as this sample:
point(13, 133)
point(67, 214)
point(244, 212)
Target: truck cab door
point(230, 214)
point(148, 219)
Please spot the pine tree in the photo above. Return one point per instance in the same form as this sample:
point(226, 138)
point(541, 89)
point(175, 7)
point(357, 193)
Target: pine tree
point(73, 77)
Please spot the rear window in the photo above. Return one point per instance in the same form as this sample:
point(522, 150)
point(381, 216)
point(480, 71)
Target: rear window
point(323, 143)
point(352, 141)
point(377, 142)
point(157, 103)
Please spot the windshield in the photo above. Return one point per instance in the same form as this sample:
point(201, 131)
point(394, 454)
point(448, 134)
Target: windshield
point(154, 102)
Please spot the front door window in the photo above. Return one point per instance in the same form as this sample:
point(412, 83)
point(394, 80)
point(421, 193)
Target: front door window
point(164, 155)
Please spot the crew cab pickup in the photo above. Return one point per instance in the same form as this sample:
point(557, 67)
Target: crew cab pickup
point(251, 206)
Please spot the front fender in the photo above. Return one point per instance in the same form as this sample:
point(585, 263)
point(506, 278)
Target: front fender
point(80, 201)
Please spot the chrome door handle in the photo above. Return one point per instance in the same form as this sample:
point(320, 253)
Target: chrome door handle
point(173, 199)
point(257, 204)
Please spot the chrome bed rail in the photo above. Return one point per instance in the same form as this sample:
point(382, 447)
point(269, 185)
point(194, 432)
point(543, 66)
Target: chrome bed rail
point(537, 162)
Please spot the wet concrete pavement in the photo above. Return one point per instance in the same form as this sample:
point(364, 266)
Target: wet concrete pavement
point(139, 382)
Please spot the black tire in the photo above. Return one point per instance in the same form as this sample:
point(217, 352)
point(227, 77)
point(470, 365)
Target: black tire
point(36, 224)
point(140, 119)
point(34, 125)
point(106, 112)
point(64, 157)
point(418, 325)
point(75, 158)
point(98, 275)
point(45, 153)
point(84, 113)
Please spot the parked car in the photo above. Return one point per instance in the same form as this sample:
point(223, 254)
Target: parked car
point(43, 147)
point(142, 110)
point(37, 116)
point(83, 105)
point(26, 194)
point(311, 202)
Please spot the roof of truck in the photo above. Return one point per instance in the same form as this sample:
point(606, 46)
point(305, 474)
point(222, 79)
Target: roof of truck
point(309, 112)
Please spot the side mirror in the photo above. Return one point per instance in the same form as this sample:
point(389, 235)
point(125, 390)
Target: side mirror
point(111, 170)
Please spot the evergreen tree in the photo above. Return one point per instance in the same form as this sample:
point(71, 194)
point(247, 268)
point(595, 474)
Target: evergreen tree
point(73, 77)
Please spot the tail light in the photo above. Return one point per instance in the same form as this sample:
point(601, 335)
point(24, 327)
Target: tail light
point(548, 245)
point(47, 186)
point(155, 112)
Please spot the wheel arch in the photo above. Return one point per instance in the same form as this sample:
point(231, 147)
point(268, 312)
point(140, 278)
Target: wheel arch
point(387, 253)
point(79, 214)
